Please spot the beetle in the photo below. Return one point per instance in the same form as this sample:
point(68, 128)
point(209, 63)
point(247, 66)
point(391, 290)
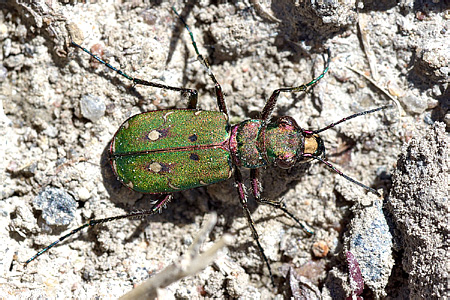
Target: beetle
point(167, 151)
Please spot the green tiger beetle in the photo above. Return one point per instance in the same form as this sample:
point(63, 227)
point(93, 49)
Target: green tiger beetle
point(167, 151)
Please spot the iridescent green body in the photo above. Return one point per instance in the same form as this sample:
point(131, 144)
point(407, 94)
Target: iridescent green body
point(166, 151)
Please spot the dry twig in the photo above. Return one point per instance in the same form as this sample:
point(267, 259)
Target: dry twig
point(188, 264)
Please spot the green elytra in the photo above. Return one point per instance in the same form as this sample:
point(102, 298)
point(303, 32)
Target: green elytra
point(166, 151)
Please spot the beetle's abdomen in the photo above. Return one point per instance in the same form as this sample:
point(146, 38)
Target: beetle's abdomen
point(167, 151)
point(248, 149)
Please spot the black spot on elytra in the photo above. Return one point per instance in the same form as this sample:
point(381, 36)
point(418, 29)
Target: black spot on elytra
point(163, 132)
point(165, 168)
point(194, 156)
point(193, 137)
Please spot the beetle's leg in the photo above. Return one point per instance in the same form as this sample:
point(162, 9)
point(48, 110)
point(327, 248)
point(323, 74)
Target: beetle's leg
point(193, 95)
point(271, 103)
point(256, 191)
point(256, 184)
point(219, 95)
point(243, 198)
point(193, 102)
point(134, 215)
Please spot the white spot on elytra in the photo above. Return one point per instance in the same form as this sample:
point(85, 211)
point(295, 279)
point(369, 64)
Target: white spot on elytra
point(155, 167)
point(129, 184)
point(153, 135)
point(173, 186)
point(166, 115)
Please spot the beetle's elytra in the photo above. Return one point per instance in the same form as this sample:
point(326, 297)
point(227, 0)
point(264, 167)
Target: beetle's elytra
point(166, 151)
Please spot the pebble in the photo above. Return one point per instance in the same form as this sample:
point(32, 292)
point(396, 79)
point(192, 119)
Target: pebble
point(92, 107)
point(58, 207)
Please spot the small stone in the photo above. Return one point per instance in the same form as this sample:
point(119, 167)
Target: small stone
point(51, 131)
point(414, 105)
point(370, 242)
point(83, 194)
point(3, 31)
point(92, 107)
point(14, 61)
point(6, 48)
point(3, 73)
point(76, 34)
point(320, 249)
point(58, 207)
point(395, 90)
point(447, 14)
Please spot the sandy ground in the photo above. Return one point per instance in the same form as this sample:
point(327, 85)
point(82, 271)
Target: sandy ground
point(55, 174)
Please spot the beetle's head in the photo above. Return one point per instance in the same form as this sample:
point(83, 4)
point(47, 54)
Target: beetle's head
point(286, 143)
point(283, 142)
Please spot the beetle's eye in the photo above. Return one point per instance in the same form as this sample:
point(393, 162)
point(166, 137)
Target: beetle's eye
point(285, 163)
point(286, 121)
point(320, 147)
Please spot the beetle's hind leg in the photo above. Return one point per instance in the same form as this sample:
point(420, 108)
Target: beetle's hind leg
point(134, 215)
point(192, 94)
point(256, 191)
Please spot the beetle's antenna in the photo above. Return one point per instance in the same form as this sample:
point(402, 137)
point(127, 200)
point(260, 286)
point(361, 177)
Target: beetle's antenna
point(309, 155)
point(342, 174)
point(348, 118)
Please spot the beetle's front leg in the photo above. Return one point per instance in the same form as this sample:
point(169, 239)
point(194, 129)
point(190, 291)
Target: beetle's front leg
point(271, 103)
point(257, 189)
